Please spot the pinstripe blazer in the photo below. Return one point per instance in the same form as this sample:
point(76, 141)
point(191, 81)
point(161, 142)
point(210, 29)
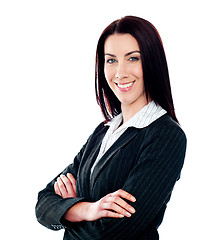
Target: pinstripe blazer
point(144, 162)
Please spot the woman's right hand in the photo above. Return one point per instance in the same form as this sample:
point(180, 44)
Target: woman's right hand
point(65, 186)
point(112, 205)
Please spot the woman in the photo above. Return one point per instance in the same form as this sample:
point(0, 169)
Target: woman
point(121, 181)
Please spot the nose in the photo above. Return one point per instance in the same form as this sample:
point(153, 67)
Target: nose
point(121, 71)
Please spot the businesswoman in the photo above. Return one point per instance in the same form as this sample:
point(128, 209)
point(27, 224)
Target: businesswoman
point(120, 182)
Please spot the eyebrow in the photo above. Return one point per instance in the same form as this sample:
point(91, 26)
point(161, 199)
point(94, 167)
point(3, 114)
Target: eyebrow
point(127, 54)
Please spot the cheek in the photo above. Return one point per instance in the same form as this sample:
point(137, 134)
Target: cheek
point(138, 71)
point(109, 74)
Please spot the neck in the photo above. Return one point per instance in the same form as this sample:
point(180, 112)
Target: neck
point(129, 110)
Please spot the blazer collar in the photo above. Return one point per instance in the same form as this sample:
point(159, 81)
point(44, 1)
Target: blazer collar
point(121, 141)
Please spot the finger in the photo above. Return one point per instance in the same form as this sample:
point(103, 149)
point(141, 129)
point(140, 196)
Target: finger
point(68, 185)
point(124, 195)
point(121, 205)
point(115, 207)
point(56, 189)
point(72, 180)
point(62, 187)
point(111, 214)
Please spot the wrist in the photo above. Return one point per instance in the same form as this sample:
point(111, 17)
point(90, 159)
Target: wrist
point(78, 213)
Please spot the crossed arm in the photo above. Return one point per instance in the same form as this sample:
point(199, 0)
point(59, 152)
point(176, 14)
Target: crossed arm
point(112, 205)
point(151, 181)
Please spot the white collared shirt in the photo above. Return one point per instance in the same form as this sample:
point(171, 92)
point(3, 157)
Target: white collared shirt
point(141, 119)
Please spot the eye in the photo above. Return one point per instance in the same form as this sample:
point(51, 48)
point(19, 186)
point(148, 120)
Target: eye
point(133, 59)
point(110, 61)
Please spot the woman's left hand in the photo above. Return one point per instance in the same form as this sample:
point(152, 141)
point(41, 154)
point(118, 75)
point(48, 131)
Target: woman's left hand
point(65, 186)
point(112, 205)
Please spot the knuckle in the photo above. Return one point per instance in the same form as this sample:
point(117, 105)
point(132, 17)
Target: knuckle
point(120, 191)
point(64, 178)
point(100, 203)
point(103, 200)
point(70, 176)
point(107, 213)
point(64, 196)
point(109, 195)
point(61, 186)
point(127, 206)
point(111, 205)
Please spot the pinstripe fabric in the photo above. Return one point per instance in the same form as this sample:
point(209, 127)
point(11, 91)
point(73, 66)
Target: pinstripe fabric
point(141, 119)
point(145, 162)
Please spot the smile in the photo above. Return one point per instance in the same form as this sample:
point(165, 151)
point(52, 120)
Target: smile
point(125, 87)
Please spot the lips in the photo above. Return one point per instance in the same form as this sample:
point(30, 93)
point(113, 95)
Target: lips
point(125, 86)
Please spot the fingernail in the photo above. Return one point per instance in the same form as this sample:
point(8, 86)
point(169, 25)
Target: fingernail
point(133, 199)
point(128, 214)
point(132, 210)
point(121, 216)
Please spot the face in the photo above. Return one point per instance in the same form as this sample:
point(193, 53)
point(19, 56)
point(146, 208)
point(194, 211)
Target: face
point(123, 70)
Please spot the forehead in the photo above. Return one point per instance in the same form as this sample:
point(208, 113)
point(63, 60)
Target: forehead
point(121, 43)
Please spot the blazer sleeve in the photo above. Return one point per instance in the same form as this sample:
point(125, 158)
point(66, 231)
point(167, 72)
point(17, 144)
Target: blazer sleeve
point(151, 181)
point(51, 207)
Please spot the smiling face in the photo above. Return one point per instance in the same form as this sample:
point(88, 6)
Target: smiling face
point(123, 70)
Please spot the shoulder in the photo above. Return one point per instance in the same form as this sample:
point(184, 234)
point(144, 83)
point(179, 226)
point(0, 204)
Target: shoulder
point(164, 137)
point(165, 126)
point(99, 130)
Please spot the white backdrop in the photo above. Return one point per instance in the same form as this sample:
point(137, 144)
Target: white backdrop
point(48, 106)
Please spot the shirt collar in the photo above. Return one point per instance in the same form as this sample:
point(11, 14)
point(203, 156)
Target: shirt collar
point(144, 117)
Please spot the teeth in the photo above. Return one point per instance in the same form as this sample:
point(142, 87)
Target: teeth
point(125, 85)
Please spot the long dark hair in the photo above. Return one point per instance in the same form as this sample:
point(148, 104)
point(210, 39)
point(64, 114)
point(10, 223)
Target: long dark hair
point(154, 64)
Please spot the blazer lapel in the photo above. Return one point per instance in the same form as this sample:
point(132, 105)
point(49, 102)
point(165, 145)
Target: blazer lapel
point(85, 168)
point(127, 136)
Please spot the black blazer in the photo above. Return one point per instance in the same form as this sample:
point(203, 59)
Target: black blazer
point(144, 162)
